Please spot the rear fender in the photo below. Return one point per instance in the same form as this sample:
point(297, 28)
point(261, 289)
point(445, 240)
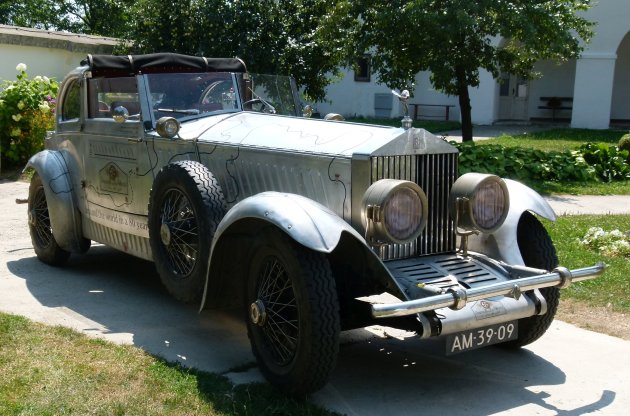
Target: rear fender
point(503, 244)
point(65, 219)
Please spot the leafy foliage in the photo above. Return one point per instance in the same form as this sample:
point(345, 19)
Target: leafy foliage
point(271, 36)
point(590, 162)
point(609, 162)
point(103, 17)
point(455, 39)
point(524, 164)
point(624, 144)
point(26, 113)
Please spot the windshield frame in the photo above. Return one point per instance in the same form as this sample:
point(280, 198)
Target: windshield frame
point(155, 115)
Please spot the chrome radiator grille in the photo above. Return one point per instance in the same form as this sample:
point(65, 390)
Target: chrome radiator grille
point(435, 173)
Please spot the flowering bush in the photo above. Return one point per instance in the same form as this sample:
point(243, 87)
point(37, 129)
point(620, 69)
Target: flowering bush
point(26, 112)
point(613, 243)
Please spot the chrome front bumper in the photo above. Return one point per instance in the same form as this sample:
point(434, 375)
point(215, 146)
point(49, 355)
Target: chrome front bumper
point(458, 298)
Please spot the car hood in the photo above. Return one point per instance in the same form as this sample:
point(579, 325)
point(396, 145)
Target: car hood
point(304, 135)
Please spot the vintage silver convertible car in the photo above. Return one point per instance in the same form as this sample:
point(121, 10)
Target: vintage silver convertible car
point(309, 226)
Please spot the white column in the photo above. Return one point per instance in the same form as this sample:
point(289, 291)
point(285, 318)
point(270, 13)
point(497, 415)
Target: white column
point(483, 99)
point(592, 92)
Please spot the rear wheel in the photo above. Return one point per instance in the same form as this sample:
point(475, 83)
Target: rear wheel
point(538, 251)
point(292, 315)
point(44, 243)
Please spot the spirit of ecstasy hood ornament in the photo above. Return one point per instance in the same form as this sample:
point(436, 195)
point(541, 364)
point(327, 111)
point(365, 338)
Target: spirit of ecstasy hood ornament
point(404, 97)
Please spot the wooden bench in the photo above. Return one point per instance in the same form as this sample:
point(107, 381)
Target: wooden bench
point(556, 104)
point(416, 113)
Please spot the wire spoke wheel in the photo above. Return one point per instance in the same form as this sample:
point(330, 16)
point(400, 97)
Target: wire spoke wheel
point(280, 322)
point(40, 226)
point(39, 219)
point(179, 232)
point(292, 313)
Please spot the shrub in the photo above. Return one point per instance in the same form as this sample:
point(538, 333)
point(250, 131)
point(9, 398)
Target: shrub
point(624, 144)
point(613, 243)
point(609, 162)
point(26, 112)
point(524, 164)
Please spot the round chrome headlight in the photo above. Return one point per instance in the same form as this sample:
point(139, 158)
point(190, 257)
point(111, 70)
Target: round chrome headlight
point(394, 211)
point(167, 127)
point(479, 202)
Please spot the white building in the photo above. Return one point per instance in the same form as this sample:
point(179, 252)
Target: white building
point(46, 52)
point(590, 92)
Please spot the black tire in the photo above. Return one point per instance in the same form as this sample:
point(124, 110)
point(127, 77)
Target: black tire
point(185, 208)
point(292, 315)
point(538, 251)
point(44, 243)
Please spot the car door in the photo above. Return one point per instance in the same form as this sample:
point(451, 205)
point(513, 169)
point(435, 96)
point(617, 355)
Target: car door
point(117, 164)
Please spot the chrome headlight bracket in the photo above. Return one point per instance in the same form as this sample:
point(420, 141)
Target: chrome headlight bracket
point(478, 203)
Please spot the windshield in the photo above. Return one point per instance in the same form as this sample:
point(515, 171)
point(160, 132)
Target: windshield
point(269, 93)
point(185, 95)
point(191, 95)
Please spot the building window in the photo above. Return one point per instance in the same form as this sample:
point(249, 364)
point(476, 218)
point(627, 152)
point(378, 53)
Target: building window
point(363, 69)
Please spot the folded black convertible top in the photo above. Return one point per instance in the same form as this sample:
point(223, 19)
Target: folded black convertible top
point(124, 65)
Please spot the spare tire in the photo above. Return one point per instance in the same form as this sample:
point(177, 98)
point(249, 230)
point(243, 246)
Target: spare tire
point(185, 208)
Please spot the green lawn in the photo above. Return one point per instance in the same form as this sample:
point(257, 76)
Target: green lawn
point(557, 139)
point(614, 286)
point(56, 371)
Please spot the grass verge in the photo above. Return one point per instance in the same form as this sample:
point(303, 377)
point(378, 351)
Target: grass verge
point(557, 139)
point(612, 290)
point(57, 371)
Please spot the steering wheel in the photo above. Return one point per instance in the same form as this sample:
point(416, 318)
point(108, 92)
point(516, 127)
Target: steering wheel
point(213, 93)
point(265, 107)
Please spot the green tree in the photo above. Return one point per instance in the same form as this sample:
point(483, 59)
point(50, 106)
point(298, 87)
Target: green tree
point(95, 17)
point(271, 36)
point(39, 14)
point(455, 39)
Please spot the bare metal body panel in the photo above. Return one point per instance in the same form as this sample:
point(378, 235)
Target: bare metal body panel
point(304, 177)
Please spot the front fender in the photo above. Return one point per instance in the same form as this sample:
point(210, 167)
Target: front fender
point(304, 220)
point(65, 219)
point(307, 222)
point(502, 244)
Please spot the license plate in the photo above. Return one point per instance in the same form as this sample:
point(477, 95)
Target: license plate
point(481, 337)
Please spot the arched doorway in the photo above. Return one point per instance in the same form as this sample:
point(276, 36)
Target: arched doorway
point(620, 108)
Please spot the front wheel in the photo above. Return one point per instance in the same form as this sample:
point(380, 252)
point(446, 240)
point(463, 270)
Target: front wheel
point(44, 243)
point(538, 251)
point(292, 315)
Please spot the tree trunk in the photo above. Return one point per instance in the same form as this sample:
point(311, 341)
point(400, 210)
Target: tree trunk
point(464, 105)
